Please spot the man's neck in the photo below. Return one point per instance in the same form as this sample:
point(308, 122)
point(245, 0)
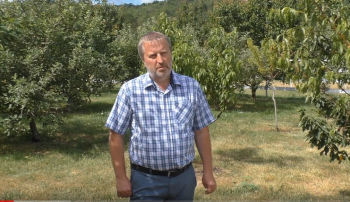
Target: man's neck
point(163, 83)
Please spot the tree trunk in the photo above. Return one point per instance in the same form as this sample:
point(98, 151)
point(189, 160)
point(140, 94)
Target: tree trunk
point(254, 88)
point(216, 106)
point(266, 88)
point(69, 104)
point(34, 130)
point(274, 103)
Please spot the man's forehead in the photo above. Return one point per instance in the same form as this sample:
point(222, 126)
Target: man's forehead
point(156, 43)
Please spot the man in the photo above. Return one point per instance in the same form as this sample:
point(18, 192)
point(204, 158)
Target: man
point(167, 113)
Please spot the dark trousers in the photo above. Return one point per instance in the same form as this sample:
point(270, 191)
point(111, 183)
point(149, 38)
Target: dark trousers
point(147, 187)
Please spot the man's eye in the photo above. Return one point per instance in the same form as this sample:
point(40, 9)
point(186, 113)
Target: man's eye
point(153, 56)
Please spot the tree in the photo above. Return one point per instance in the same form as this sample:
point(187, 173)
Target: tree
point(255, 69)
point(58, 61)
point(221, 73)
point(318, 54)
point(24, 96)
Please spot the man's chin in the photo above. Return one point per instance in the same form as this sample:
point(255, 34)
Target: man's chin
point(163, 75)
point(163, 72)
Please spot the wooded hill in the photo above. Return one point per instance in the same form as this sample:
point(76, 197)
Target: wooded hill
point(135, 15)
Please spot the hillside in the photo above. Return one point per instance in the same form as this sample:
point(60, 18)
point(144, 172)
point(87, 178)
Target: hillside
point(135, 15)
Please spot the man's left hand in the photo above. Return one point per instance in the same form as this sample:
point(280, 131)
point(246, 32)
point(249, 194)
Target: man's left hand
point(209, 182)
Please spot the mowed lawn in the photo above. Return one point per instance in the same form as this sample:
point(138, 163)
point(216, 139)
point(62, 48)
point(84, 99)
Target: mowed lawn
point(253, 161)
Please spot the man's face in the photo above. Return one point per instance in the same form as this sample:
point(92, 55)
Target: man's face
point(158, 59)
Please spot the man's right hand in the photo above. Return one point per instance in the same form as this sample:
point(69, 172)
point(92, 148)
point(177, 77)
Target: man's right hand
point(124, 188)
point(116, 148)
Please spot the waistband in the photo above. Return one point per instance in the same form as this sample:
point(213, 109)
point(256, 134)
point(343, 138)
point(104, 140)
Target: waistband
point(168, 173)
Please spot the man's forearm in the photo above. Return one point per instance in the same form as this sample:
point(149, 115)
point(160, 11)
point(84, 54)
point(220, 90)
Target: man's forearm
point(116, 148)
point(203, 143)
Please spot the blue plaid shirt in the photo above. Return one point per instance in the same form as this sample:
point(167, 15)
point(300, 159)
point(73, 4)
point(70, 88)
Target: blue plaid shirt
point(162, 123)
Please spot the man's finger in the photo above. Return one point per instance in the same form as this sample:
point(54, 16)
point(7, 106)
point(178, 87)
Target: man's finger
point(124, 194)
point(205, 185)
point(210, 188)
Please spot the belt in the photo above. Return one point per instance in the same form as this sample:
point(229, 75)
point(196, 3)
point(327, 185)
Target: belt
point(169, 173)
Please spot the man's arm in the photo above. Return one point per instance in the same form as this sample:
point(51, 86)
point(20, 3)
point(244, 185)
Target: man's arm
point(116, 149)
point(203, 143)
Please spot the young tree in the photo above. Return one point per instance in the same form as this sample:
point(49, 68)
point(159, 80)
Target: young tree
point(221, 73)
point(256, 68)
point(319, 51)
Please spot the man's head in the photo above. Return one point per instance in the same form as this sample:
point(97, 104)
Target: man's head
point(151, 36)
point(155, 51)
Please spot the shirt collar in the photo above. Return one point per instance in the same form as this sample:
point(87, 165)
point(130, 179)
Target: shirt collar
point(174, 80)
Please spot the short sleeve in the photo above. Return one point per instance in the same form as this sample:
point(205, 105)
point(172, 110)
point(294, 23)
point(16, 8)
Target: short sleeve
point(119, 118)
point(203, 115)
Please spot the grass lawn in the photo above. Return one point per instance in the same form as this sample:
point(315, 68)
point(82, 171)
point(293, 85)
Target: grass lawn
point(253, 162)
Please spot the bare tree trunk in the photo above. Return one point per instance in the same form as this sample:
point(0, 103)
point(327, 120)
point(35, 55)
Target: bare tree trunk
point(254, 88)
point(34, 130)
point(69, 104)
point(266, 88)
point(274, 103)
point(216, 105)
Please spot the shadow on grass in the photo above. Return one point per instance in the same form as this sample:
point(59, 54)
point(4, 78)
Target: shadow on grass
point(94, 107)
point(76, 146)
point(246, 104)
point(82, 136)
point(251, 155)
point(344, 193)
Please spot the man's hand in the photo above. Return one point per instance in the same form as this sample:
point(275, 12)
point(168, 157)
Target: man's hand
point(209, 182)
point(116, 148)
point(202, 139)
point(124, 188)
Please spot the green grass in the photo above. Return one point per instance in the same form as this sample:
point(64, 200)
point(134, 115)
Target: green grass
point(253, 161)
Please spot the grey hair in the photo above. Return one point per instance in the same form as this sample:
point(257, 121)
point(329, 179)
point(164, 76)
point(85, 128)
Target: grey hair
point(151, 36)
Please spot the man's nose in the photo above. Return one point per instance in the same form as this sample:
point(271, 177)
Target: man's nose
point(159, 58)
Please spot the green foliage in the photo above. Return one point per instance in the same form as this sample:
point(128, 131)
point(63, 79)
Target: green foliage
point(219, 77)
point(249, 17)
point(255, 69)
point(195, 15)
point(9, 28)
point(188, 58)
point(318, 49)
point(57, 60)
point(125, 62)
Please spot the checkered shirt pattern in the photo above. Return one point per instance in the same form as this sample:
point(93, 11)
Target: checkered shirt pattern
point(162, 124)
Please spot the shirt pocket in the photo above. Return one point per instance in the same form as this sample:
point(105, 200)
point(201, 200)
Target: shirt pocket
point(183, 111)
